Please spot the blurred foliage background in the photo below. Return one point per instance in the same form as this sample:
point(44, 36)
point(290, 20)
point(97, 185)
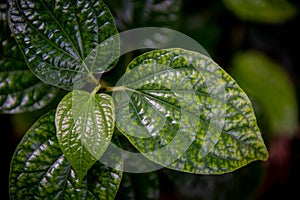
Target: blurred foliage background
point(257, 42)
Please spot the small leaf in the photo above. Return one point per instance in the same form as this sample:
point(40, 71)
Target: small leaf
point(62, 39)
point(182, 111)
point(39, 170)
point(85, 125)
point(271, 88)
point(267, 11)
point(20, 90)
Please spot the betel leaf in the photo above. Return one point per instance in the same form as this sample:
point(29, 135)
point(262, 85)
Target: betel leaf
point(61, 40)
point(270, 87)
point(85, 124)
point(20, 90)
point(267, 11)
point(39, 170)
point(182, 111)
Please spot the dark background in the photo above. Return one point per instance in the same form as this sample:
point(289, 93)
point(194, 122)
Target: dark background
point(222, 34)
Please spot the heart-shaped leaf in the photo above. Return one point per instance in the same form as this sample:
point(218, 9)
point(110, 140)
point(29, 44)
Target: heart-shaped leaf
point(85, 124)
point(181, 110)
point(267, 11)
point(20, 90)
point(39, 170)
point(61, 40)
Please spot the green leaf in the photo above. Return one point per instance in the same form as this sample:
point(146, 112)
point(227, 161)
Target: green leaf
point(85, 125)
point(20, 90)
point(271, 88)
point(266, 11)
point(39, 170)
point(182, 111)
point(65, 42)
point(140, 13)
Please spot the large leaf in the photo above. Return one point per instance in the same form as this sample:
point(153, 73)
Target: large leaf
point(267, 11)
point(181, 110)
point(39, 170)
point(20, 90)
point(271, 87)
point(61, 40)
point(85, 124)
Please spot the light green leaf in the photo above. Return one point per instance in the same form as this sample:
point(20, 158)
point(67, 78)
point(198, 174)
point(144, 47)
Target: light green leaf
point(271, 87)
point(20, 90)
point(39, 170)
point(65, 42)
point(85, 125)
point(181, 110)
point(267, 11)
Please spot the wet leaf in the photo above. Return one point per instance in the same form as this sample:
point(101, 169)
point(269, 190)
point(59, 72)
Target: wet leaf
point(271, 87)
point(182, 111)
point(85, 124)
point(61, 40)
point(20, 90)
point(39, 170)
point(267, 11)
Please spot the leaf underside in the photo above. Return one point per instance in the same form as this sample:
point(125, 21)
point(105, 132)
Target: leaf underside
point(181, 110)
point(39, 170)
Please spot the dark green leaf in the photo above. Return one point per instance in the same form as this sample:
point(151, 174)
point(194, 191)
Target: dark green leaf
point(181, 110)
point(20, 90)
point(267, 11)
point(62, 39)
point(271, 87)
point(39, 170)
point(85, 125)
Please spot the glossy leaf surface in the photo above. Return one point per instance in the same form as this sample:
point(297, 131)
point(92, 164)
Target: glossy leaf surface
point(267, 11)
point(39, 170)
point(85, 124)
point(20, 90)
point(182, 111)
point(61, 40)
point(276, 95)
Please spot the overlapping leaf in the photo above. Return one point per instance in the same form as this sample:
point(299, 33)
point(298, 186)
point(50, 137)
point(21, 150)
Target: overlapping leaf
point(20, 90)
point(65, 42)
point(181, 110)
point(85, 124)
point(39, 170)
